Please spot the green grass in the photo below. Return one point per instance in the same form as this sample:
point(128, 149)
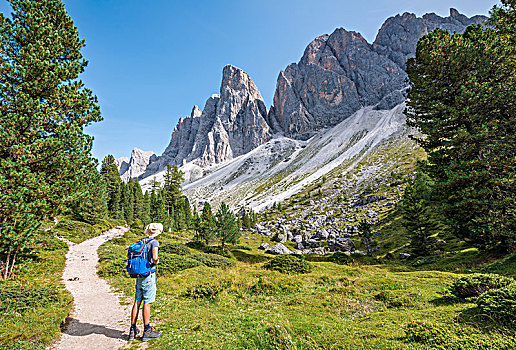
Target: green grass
point(37, 283)
point(333, 307)
point(78, 231)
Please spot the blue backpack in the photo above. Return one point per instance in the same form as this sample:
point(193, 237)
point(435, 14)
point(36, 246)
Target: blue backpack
point(138, 264)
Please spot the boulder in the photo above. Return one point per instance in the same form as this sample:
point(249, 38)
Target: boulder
point(264, 246)
point(404, 255)
point(344, 245)
point(278, 249)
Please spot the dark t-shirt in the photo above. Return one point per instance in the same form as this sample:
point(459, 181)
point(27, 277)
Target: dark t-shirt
point(152, 243)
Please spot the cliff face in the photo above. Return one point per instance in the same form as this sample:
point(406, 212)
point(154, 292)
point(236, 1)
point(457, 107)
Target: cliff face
point(134, 167)
point(231, 124)
point(338, 75)
point(341, 73)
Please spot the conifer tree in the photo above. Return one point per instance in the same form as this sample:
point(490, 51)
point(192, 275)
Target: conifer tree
point(463, 88)
point(137, 198)
point(366, 233)
point(112, 177)
point(207, 224)
point(146, 205)
point(94, 206)
point(227, 228)
point(419, 218)
point(44, 107)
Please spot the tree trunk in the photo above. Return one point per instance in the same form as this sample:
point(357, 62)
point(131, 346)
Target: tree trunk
point(6, 267)
point(13, 261)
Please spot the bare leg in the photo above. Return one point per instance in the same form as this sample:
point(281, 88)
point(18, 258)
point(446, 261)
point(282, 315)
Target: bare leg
point(135, 311)
point(146, 313)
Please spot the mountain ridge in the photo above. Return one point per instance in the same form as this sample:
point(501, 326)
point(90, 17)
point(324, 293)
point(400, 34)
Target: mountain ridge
point(339, 74)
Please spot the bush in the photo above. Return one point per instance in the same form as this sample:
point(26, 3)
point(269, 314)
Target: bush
point(242, 247)
point(213, 260)
point(290, 264)
point(172, 263)
point(211, 249)
point(22, 298)
point(452, 337)
point(175, 248)
point(396, 298)
point(268, 286)
point(205, 291)
point(340, 258)
point(49, 242)
point(196, 245)
point(475, 284)
point(500, 304)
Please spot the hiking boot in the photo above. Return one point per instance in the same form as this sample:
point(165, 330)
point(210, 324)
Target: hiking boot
point(150, 334)
point(133, 332)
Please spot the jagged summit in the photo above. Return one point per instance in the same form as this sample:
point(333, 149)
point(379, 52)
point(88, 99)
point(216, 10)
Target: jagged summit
point(339, 74)
point(136, 166)
point(232, 123)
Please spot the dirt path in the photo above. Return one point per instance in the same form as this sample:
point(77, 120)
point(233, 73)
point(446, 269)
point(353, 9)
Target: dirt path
point(98, 321)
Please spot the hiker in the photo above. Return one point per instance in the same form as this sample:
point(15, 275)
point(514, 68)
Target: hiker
point(146, 286)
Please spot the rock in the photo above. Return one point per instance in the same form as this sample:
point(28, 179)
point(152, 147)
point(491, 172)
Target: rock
point(300, 245)
point(290, 236)
point(367, 200)
point(280, 238)
point(321, 234)
point(231, 124)
point(404, 255)
point(398, 36)
point(344, 244)
point(388, 256)
point(318, 251)
point(264, 246)
point(136, 166)
point(298, 239)
point(278, 249)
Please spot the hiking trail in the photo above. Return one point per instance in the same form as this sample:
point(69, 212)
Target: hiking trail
point(98, 320)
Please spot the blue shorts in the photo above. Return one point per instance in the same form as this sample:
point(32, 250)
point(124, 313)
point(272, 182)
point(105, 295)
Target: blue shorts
point(146, 289)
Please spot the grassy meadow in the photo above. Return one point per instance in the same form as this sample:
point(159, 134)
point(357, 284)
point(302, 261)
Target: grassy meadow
point(361, 304)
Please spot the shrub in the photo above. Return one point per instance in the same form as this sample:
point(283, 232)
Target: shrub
point(340, 258)
point(49, 242)
point(205, 291)
point(268, 286)
point(242, 247)
point(290, 264)
point(213, 260)
point(171, 263)
point(499, 303)
point(22, 298)
point(396, 298)
point(174, 248)
point(196, 245)
point(211, 249)
point(475, 284)
point(452, 337)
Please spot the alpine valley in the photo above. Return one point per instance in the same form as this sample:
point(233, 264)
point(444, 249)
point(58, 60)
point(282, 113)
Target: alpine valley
point(337, 125)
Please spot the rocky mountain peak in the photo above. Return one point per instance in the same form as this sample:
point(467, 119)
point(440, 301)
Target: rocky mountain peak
point(236, 81)
point(231, 124)
point(136, 166)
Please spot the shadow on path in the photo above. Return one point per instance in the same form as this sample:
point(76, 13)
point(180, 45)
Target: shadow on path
point(76, 328)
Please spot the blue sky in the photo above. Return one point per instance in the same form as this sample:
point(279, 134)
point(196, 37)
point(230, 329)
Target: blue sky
point(151, 61)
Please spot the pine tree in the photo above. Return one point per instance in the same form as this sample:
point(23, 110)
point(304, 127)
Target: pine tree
point(126, 202)
point(44, 107)
point(207, 224)
point(419, 218)
point(463, 88)
point(366, 233)
point(94, 207)
point(111, 175)
point(137, 199)
point(146, 212)
point(227, 228)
